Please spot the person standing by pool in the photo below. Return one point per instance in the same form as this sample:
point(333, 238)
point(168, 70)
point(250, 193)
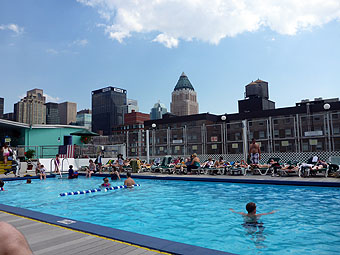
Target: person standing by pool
point(42, 172)
point(129, 182)
point(57, 164)
point(254, 152)
point(91, 169)
point(99, 162)
point(6, 152)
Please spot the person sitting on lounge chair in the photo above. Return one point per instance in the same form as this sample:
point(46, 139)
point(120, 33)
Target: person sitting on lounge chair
point(219, 163)
point(208, 164)
point(195, 163)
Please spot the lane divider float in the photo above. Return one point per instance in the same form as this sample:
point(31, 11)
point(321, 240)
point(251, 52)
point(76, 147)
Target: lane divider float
point(95, 190)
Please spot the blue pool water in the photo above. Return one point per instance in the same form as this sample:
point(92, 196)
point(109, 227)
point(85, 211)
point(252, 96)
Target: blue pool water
point(197, 213)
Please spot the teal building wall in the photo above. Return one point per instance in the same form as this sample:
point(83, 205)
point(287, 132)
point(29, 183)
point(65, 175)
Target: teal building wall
point(45, 141)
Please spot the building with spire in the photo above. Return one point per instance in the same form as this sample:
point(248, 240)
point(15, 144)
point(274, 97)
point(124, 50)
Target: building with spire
point(184, 98)
point(157, 111)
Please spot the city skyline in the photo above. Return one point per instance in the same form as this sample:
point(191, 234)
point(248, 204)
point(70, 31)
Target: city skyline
point(90, 47)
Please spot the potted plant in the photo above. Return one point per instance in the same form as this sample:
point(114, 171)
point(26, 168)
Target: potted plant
point(85, 139)
point(29, 154)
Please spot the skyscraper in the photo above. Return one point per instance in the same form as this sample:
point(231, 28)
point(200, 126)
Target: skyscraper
point(184, 98)
point(52, 113)
point(31, 109)
point(157, 111)
point(84, 118)
point(108, 108)
point(1, 107)
point(132, 105)
point(67, 113)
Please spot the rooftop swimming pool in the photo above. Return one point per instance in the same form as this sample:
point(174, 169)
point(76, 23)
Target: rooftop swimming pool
point(196, 213)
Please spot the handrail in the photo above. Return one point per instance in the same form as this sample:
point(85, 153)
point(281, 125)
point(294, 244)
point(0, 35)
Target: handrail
point(51, 171)
point(62, 164)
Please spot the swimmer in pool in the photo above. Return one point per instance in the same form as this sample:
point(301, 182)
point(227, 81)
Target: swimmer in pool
point(129, 182)
point(106, 183)
point(251, 216)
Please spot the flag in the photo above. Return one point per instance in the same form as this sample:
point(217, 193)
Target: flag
point(66, 151)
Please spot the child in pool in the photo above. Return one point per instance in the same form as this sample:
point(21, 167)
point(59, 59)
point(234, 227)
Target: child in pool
point(251, 216)
point(106, 182)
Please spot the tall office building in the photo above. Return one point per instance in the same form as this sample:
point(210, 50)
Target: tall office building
point(157, 111)
point(84, 118)
point(1, 107)
point(52, 113)
point(67, 113)
point(132, 105)
point(184, 98)
point(108, 108)
point(31, 109)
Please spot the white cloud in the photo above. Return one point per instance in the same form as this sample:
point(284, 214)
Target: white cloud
point(52, 51)
point(82, 42)
point(12, 27)
point(168, 41)
point(52, 99)
point(210, 20)
point(48, 98)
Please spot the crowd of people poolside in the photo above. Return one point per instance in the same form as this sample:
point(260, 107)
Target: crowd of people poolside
point(189, 165)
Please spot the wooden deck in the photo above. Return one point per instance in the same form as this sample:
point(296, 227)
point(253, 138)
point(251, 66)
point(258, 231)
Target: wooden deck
point(48, 239)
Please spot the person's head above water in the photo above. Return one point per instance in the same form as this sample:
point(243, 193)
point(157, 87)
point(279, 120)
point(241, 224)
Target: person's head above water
point(251, 207)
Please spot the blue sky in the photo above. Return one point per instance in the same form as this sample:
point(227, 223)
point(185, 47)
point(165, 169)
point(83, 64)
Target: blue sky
point(70, 47)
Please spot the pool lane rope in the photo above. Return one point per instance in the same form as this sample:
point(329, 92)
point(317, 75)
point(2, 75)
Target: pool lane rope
point(95, 190)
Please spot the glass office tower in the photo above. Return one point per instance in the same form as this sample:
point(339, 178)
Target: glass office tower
point(108, 109)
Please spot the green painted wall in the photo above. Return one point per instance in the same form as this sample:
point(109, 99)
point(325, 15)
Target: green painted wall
point(45, 140)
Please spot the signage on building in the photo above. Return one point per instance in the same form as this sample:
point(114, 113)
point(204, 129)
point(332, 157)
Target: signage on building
point(106, 89)
point(314, 133)
point(7, 140)
point(313, 141)
point(214, 146)
point(118, 90)
point(284, 143)
point(214, 138)
point(177, 141)
point(234, 145)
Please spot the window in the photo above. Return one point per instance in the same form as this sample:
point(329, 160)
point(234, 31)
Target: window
point(288, 132)
point(276, 122)
point(261, 123)
point(261, 135)
point(287, 120)
point(276, 133)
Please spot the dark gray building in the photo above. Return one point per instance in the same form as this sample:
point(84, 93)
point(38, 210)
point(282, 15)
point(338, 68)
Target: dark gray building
point(108, 106)
point(1, 107)
point(52, 113)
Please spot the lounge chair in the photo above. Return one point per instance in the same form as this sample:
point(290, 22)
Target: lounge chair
point(289, 168)
point(334, 166)
point(312, 167)
point(164, 167)
point(265, 169)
